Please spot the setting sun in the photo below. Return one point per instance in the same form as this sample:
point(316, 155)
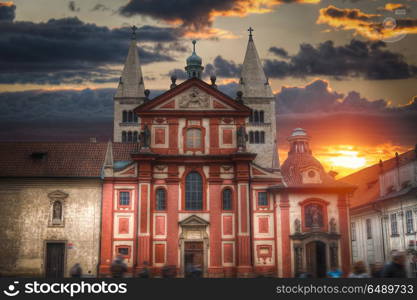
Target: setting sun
point(348, 159)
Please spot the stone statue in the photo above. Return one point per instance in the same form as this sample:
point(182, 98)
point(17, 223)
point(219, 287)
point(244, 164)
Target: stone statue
point(242, 138)
point(297, 226)
point(57, 211)
point(145, 137)
point(332, 225)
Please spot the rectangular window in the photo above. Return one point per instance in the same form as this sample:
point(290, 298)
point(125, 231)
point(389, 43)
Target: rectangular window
point(193, 140)
point(394, 224)
point(409, 221)
point(353, 230)
point(124, 198)
point(262, 199)
point(368, 229)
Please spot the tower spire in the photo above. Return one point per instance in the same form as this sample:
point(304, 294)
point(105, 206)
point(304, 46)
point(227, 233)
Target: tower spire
point(253, 82)
point(131, 82)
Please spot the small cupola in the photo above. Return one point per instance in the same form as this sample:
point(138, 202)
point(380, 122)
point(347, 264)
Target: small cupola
point(194, 66)
point(299, 142)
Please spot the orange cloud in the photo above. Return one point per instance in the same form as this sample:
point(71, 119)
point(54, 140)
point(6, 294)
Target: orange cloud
point(371, 26)
point(393, 6)
point(9, 4)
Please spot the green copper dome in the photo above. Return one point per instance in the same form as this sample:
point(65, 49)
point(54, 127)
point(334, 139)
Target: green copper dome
point(194, 66)
point(194, 59)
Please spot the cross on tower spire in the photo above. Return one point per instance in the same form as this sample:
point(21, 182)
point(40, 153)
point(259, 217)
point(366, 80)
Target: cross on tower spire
point(134, 28)
point(250, 32)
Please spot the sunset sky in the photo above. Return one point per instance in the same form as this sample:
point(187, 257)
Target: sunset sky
point(344, 70)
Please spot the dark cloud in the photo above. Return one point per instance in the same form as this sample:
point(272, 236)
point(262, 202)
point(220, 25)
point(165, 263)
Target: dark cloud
point(73, 6)
point(369, 60)
point(199, 15)
point(48, 51)
point(7, 11)
point(318, 97)
point(279, 52)
point(314, 97)
point(188, 12)
point(223, 68)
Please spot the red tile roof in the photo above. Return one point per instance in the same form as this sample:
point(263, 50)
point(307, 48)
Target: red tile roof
point(62, 159)
point(367, 180)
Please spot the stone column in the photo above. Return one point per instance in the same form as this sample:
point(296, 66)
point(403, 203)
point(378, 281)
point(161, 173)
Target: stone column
point(216, 265)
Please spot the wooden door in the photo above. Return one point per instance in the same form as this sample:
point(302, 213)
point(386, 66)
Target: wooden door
point(55, 255)
point(311, 258)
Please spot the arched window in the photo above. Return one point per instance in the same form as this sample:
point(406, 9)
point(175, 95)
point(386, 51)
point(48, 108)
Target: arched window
point(124, 137)
point(161, 203)
point(256, 116)
point(262, 137)
point(256, 137)
point(251, 116)
point(57, 211)
point(251, 137)
point(135, 118)
point(130, 116)
point(261, 116)
point(193, 138)
point(129, 136)
point(135, 137)
point(124, 117)
point(227, 199)
point(193, 191)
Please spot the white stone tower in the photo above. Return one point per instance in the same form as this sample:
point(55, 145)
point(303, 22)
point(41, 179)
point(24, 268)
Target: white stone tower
point(257, 94)
point(130, 94)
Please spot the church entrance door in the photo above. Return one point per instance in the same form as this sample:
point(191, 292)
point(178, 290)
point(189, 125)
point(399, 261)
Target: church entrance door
point(193, 259)
point(316, 259)
point(55, 255)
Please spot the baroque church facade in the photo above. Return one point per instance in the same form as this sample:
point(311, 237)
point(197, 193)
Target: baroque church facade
point(191, 179)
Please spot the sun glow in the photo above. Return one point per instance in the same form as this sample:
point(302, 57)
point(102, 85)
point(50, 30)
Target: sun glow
point(348, 159)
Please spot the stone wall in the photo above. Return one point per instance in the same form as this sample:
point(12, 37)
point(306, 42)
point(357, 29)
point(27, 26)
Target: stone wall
point(25, 224)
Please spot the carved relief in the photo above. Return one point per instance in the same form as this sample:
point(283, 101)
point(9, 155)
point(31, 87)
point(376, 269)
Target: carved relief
point(314, 216)
point(194, 99)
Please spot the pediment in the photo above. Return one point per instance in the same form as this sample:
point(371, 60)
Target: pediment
point(194, 221)
point(192, 95)
point(193, 98)
point(57, 195)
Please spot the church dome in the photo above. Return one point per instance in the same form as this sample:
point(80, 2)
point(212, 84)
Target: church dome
point(194, 59)
point(301, 166)
point(194, 66)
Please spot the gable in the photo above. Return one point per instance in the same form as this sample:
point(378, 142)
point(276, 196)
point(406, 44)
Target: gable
point(193, 98)
point(193, 95)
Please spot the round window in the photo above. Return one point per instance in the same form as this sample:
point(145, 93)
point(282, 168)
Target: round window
point(311, 174)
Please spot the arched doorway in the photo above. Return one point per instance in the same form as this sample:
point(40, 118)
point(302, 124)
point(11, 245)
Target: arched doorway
point(316, 259)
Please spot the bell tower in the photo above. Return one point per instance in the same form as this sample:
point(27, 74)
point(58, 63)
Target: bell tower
point(130, 94)
point(257, 94)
